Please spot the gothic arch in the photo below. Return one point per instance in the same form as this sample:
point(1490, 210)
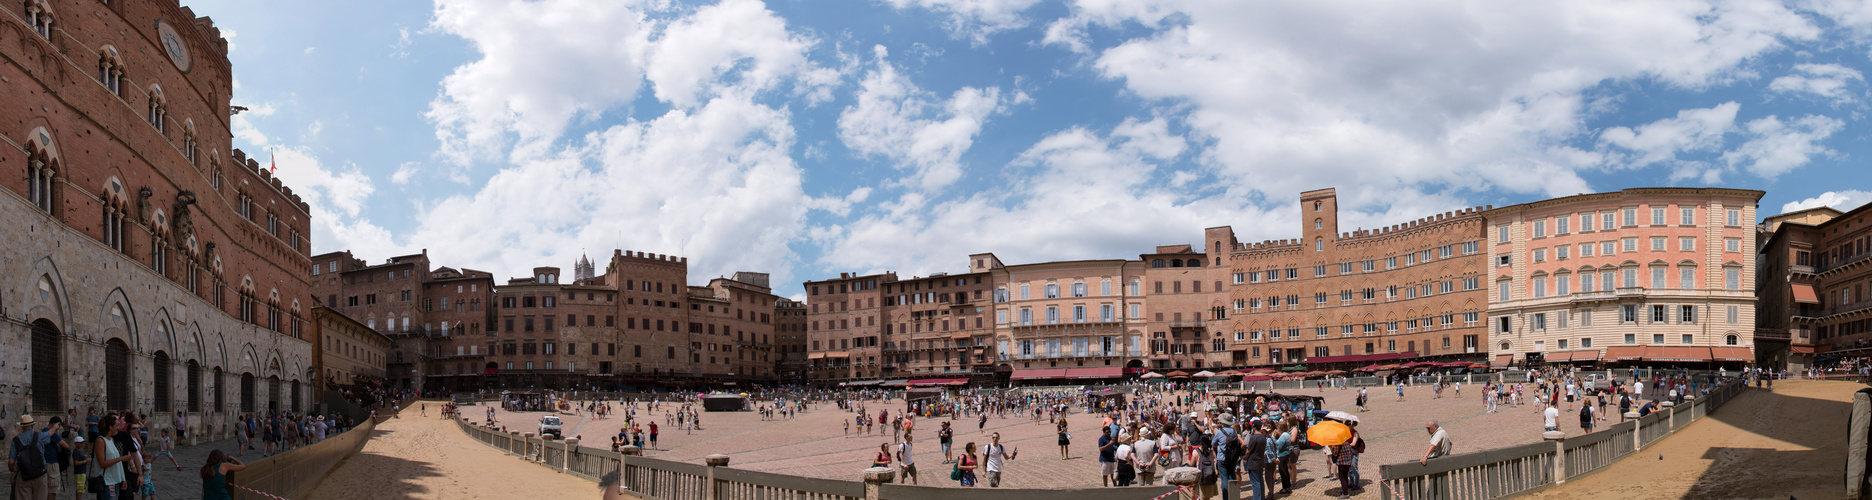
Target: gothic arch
point(47, 295)
point(164, 337)
point(118, 319)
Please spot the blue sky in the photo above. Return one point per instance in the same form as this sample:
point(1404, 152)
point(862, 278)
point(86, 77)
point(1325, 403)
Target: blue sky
point(807, 138)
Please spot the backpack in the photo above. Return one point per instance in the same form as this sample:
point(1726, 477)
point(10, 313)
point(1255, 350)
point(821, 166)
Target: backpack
point(1206, 468)
point(1231, 450)
point(955, 471)
point(30, 455)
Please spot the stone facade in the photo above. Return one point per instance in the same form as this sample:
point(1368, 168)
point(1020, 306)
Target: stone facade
point(1037, 319)
point(348, 351)
point(1604, 275)
point(153, 267)
point(1815, 285)
point(843, 332)
point(938, 326)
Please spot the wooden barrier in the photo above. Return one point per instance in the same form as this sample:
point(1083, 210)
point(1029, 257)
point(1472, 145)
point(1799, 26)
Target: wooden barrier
point(1510, 471)
point(294, 473)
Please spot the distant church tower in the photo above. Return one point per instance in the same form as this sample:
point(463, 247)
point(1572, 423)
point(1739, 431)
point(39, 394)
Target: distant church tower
point(582, 271)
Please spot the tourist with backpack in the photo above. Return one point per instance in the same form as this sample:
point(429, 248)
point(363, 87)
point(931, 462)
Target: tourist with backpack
point(1228, 448)
point(27, 461)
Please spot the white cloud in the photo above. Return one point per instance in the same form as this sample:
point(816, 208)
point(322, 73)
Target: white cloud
point(242, 127)
point(710, 179)
point(1843, 201)
point(400, 49)
point(715, 185)
point(405, 172)
point(1824, 80)
point(1776, 147)
point(974, 19)
point(895, 119)
point(310, 50)
point(543, 64)
point(1073, 195)
point(1383, 98)
point(692, 54)
point(1660, 141)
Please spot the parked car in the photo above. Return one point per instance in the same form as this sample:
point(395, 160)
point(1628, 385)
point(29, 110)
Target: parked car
point(550, 425)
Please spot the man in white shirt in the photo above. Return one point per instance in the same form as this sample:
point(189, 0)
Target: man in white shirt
point(906, 462)
point(993, 456)
point(1552, 415)
point(1439, 443)
point(1146, 449)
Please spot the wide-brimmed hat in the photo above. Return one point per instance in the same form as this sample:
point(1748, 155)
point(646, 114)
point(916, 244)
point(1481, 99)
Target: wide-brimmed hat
point(25, 420)
point(1226, 419)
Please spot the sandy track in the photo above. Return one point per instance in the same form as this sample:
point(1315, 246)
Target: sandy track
point(429, 458)
point(1783, 444)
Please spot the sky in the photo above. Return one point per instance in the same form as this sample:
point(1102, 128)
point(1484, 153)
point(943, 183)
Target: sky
point(805, 138)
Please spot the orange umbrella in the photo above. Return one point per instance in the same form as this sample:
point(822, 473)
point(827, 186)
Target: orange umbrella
point(1329, 433)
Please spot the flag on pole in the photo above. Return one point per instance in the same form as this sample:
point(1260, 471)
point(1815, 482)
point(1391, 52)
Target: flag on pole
point(274, 160)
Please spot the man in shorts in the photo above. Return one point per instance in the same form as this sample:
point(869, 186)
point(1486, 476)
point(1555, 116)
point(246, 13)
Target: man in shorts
point(994, 457)
point(906, 462)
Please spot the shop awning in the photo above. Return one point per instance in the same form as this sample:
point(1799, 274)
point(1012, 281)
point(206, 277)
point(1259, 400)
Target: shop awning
point(960, 336)
point(864, 382)
point(1804, 294)
point(1502, 360)
point(1573, 356)
point(1677, 354)
point(1041, 374)
point(816, 355)
point(840, 354)
point(1732, 354)
point(1092, 373)
point(1354, 358)
point(1624, 353)
point(1802, 349)
point(937, 381)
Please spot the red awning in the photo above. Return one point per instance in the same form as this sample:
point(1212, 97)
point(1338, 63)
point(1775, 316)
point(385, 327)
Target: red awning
point(816, 355)
point(937, 381)
point(1732, 354)
point(1624, 353)
point(1354, 358)
point(1502, 360)
point(1804, 294)
point(1091, 373)
point(1041, 374)
point(1803, 349)
point(1677, 354)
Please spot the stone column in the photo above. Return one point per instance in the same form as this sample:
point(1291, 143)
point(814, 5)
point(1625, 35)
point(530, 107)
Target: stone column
point(571, 446)
point(1185, 478)
point(874, 480)
point(713, 490)
point(1637, 438)
point(1672, 419)
point(1559, 462)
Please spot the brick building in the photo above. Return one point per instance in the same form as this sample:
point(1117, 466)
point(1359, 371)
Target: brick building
point(1338, 299)
point(1187, 318)
point(843, 333)
point(789, 341)
point(1814, 282)
point(937, 327)
point(436, 318)
point(1653, 275)
point(349, 352)
point(153, 267)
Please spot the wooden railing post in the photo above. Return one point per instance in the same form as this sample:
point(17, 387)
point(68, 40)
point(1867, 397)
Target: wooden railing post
point(713, 489)
point(874, 480)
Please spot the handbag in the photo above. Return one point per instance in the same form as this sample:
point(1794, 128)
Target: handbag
point(955, 471)
point(94, 483)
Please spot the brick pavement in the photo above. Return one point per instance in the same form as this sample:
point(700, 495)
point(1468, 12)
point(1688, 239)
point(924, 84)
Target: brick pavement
point(814, 444)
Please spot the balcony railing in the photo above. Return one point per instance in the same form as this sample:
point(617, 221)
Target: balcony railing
point(1842, 262)
point(1197, 323)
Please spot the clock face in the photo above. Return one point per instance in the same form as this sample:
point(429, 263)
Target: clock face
point(172, 43)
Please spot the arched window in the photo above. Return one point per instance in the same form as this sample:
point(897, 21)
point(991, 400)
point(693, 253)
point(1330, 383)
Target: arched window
point(1731, 340)
point(1319, 223)
point(116, 375)
point(193, 372)
point(42, 171)
point(115, 221)
point(160, 377)
point(1157, 263)
point(39, 17)
point(220, 403)
point(1176, 262)
point(110, 70)
point(1193, 263)
point(157, 108)
point(46, 375)
point(1319, 244)
point(273, 393)
point(247, 393)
